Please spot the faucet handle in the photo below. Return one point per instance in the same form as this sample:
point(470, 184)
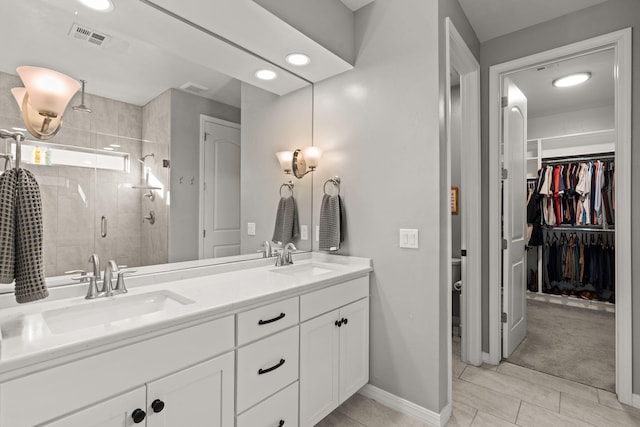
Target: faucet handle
point(82, 277)
point(92, 292)
point(120, 286)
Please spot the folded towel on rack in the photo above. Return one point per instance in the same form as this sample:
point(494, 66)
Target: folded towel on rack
point(21, 235)
point(332, 223)
point(8, 185)
point(287, 227)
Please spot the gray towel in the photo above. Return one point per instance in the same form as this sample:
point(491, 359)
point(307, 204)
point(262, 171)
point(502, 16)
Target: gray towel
point(8, 185)
point(21, 221)
point(287, 227)
point(332, 223)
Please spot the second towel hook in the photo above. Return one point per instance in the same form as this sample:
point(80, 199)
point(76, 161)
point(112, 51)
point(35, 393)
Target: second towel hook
point(289, 185)
point(335, 181)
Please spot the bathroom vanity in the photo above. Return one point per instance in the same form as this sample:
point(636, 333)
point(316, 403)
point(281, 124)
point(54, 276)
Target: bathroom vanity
point(246, 345)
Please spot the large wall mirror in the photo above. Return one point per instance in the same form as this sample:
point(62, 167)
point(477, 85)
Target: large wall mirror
point(175, 161)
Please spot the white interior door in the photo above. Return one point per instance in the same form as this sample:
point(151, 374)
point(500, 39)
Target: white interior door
point(221, 190)
point(514, 128)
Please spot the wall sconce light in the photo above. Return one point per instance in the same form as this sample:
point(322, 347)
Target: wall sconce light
point(285, 158)
point(44, 99)
point(305, 158)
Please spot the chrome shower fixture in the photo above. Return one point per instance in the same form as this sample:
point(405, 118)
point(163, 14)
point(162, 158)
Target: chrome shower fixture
point(83, 108)
point(143, 158)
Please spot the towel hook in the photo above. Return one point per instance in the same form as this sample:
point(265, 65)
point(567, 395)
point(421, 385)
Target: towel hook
point(18, 138)
point(335, 181)
point(288, 185)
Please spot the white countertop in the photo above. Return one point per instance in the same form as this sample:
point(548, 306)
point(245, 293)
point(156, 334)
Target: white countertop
point(28, 339)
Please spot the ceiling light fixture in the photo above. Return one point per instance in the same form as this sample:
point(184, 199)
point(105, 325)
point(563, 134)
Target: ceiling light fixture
point(572, 79)
point(298, 59)
point(99, 5)
point(266, 74)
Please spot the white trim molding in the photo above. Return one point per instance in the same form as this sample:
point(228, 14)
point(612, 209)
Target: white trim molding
point(406, 407)
point(635, 400)
point(620, 41)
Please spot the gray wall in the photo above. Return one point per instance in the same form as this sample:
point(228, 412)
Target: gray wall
point(185, 162)
point(328, 22)
point(272, 123)
point(610, 16)
point(378, 125)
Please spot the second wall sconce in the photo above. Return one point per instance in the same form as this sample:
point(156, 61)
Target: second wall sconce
point(301, 161)
point(44, 99)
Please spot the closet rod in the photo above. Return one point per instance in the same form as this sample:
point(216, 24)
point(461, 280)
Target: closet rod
point(602, 156)
point(589, 229)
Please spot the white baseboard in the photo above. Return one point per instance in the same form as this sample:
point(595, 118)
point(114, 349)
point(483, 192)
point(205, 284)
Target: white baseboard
point(635, 400)
point(486, 358)
point(405, 407)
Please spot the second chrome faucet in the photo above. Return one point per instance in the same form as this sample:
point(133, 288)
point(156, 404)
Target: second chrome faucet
point(107, 289)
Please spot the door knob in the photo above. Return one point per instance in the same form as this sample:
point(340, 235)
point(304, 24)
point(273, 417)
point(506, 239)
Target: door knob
point(157, 405)
point(138, 416)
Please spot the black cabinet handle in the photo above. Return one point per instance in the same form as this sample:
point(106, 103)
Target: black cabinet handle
point(157, 405)
point(338, 323)
point(281, 423)
point(138, 416)
point(275, 319)
point(344, 321)
point(274, 367)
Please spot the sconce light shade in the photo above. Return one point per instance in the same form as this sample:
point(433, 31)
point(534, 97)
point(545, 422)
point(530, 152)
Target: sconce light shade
point(312, 156)
point(44, 99)
point(285, 158)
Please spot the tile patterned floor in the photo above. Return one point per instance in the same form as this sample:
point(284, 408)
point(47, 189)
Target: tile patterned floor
point(506, 395)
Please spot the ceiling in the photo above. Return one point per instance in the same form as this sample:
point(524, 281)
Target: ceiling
point(495, 18)
point(545, 99)
point(149, 51)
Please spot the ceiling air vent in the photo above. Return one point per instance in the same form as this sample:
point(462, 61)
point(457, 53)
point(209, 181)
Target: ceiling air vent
point(193, 87)
point(84, 33)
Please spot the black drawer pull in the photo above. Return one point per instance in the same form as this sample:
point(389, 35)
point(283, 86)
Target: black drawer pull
point(338, 323)
point(281, 423)
point(345, 321)
point(274, 367)
point(275, 319)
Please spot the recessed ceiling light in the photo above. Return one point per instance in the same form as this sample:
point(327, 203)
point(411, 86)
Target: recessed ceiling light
point(266, 74)
point(572, 79)
point(99, 5)
point(298, 59)
point(108, 148)
point(114, 145)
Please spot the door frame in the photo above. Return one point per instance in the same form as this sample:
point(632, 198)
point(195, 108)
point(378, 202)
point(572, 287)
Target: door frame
point(203, 120)
point(620, 41)
point(460, 58)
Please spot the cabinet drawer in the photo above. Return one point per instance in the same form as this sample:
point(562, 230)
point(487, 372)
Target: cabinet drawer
point(316, 303)
point(265, 320)
point(64, 388)
point(282, 406)
point(265, 367)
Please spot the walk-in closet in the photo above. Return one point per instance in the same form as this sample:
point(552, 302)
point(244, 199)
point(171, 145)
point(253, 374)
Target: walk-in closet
point(570, 252)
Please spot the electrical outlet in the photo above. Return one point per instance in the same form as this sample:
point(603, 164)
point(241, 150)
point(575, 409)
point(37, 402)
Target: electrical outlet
point(409, 238)
point(304, 232)
point(251, 228)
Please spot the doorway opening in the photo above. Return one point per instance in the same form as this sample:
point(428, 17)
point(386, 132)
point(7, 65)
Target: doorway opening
point(598, 149)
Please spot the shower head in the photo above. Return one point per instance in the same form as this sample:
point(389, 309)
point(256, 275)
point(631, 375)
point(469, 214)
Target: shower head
point(82, 108)
point(143, 158)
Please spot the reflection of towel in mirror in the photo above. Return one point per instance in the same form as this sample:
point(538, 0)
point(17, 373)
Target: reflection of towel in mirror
point(287, 227)
point(8, 185)
point(21, 235)
point(332, 223)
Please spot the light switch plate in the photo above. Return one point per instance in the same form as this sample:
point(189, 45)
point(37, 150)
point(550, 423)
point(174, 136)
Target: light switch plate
point(409, 238)
point(304, 232)
point(251, 228)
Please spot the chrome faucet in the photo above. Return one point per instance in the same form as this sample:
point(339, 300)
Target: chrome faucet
point(284, 257)
point(95, 260)
point(267, 252)
point(107, 283)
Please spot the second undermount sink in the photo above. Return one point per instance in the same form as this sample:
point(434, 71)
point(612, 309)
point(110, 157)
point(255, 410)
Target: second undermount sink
point(115, 311)
point(311, 269)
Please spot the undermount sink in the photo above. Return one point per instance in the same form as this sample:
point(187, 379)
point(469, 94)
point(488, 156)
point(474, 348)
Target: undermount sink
point(303, 270)
point(115, 311)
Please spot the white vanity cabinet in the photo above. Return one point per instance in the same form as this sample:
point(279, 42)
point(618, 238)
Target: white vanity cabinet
point(334, 348)
point(184, 369)
point(197, 396)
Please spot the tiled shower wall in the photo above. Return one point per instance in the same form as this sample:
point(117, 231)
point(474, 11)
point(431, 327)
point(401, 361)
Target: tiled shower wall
point(75, 198)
